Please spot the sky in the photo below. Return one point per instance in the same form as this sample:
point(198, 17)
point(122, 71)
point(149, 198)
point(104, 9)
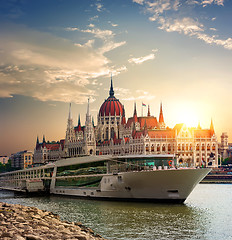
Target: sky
point(60, 51)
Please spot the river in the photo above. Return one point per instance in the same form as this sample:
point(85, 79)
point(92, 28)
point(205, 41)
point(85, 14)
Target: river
point(206, 214)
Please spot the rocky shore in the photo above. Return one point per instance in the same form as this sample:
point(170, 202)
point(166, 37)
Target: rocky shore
point(18, 222)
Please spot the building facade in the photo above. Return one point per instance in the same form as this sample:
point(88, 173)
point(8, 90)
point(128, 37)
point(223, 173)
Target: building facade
point(22, 159)
point(139, 135)
point(46, 151)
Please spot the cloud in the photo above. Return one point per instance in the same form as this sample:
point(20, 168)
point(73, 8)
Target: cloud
point(98, 33)
point(94, 18)
point(89, 43)
point(112, 24)
point(72, 29)
point(99, 7)
point(139, 1)
point(50, 68)
point(164, 13)
point(141, 60)
point(185, 25)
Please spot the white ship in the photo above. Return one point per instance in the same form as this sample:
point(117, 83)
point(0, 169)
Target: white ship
point(153, 178)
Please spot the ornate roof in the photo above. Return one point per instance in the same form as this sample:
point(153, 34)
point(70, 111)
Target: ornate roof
point(112, 105)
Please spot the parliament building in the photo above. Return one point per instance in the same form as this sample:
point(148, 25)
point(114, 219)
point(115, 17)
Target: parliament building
point(114, 135)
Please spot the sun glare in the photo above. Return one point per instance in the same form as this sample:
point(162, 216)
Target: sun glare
point(189, 117)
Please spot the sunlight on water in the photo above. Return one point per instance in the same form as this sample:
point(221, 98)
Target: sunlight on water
point(204, 215)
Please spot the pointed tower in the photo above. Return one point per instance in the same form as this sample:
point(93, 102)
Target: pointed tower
point(89, 135)
point(199, 125)
point(145, 132)
point(148, 111)
point(79, 123)
point(93, 121)
point(212, 128)
point(111, 92)
point(161, 117)
point(37, 141)
point(44, 139)
point(70, 134)
point(135, 114)
point(123, 122)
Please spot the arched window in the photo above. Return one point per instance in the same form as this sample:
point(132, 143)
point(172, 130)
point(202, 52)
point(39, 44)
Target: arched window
point(112, 133)
point(163, 148)
point(152, 148)
point(107, 133)
point(179, 147)
point(214, 147)
point(158, 148)
point(169, 148)
point(197, 147)
point(208, 147)
point(187, 148)
point(182, 147)
point(203, 147)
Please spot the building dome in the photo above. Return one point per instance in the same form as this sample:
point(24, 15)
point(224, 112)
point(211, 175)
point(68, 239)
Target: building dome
point(111, 106)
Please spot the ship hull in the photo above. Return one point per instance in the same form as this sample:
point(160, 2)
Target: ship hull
point(171, 185)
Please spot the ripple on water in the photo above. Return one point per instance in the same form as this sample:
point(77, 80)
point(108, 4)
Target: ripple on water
point(205, 215)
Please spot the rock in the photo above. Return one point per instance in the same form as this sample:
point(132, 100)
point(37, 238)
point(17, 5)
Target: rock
point(18, 237)
point(29, 223)
point(32, 237)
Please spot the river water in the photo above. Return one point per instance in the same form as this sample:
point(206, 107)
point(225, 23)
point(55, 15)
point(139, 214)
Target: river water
point(206, 214)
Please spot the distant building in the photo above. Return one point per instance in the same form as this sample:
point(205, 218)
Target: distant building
point(4, 159)
point(225, 148)
point(139, 135)
point(22, 159)
point(48, 151)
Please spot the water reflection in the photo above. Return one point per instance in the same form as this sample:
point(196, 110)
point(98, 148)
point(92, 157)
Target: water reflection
point(196, 219)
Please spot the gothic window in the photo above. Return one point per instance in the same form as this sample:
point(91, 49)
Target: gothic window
point(208, 147)
point(152, 148)
point(214, 147)
point(182, 147)
point(112, 133)
point(187, 147)
point(169, 147)
point(197, 147)
point(203, 147)
point(107, 133)
point(158, 148)
point(147, 148)
point(179, 147)
point(163, 148)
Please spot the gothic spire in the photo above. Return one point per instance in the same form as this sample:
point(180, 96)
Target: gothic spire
point(135, 114)
point(93, 121)
point(37, 141)
point(212, 127)
point(44, 139)
point(79, 123)
point(111, 92)
point(79, 120)
point(161, 117)
point(69, 114)
point(88, 108)
point(148, 112)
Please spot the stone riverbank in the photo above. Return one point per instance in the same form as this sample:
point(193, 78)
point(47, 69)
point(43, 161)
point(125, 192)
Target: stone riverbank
point(18, 222)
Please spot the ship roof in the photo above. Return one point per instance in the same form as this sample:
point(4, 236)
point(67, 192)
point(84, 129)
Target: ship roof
point(83, 159)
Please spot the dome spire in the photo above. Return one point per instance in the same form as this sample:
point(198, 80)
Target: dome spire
point(111, 92)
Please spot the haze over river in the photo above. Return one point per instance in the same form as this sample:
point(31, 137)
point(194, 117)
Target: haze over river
point(206, 214)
